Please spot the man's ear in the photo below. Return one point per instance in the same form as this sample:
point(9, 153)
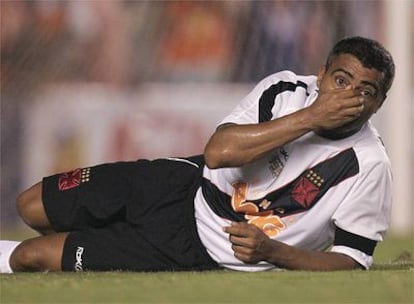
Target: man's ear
point(321, 73)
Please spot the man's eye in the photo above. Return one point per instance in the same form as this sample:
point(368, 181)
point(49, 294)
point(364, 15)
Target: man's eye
point(367, 93)
point(340, 82)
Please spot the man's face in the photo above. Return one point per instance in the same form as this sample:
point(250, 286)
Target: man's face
point(347, 72)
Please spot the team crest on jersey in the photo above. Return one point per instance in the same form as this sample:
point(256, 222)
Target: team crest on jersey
point(307, 188)
point(73, 179)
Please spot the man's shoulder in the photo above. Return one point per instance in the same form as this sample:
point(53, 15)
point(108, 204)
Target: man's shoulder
point(370, 148)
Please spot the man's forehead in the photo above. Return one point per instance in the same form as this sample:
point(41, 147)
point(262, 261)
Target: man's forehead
point(353, 67)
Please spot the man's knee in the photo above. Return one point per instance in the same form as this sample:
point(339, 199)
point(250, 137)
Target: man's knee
point(25, 257)
point(30, 208)
point(27, 202)
point(39, 254)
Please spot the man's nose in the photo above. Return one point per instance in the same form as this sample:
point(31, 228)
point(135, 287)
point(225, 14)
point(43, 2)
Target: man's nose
point(356, 88)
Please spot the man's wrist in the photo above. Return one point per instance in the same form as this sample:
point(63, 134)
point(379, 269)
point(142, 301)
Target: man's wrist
point(275, 253)
point(307, 119)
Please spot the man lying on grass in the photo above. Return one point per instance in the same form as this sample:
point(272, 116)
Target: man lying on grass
point(295, 169)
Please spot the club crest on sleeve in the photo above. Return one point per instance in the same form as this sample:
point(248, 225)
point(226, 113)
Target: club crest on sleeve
point(307, 188)
point(72, 179)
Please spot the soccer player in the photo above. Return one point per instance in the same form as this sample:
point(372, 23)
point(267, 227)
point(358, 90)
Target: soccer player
point(295, 177)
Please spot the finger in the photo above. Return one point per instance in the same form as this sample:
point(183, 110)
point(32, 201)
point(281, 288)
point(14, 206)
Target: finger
point(348, 92)
point(350, 115)
point(361, 105)
point(243, 230)
point(354, 102)
point(242, 251)
point(361, 100)
point(241, 241)
point(354, 111)
point(237, 229)
point(244, 255)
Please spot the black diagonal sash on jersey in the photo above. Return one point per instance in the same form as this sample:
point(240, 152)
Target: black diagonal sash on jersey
point(297, 196)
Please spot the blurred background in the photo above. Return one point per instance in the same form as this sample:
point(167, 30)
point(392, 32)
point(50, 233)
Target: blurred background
point(85, 82)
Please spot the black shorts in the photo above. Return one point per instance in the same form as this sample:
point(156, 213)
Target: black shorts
point(136, 216)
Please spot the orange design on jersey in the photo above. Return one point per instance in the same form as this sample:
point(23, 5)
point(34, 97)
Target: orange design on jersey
point(238, 200)
point(269, 223)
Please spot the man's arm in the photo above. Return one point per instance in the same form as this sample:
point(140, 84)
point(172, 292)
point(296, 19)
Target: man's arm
point(251, 245)
point(235, 145)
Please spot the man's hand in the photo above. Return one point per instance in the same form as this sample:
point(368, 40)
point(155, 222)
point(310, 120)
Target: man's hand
point(335, 108)
point(249, 243)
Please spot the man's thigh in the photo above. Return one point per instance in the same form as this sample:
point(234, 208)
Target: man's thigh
point(88, 197)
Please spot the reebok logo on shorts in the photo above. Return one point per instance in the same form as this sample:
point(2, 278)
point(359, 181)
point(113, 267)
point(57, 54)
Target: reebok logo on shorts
point(73, 178)
point(78, 256)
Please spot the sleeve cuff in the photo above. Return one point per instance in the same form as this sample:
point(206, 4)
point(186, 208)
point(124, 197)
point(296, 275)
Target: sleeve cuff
point(360, 257)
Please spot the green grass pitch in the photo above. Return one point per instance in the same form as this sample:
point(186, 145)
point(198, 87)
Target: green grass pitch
point(391, 280)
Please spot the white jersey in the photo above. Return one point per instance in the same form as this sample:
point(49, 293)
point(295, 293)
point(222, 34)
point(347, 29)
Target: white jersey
point(312, 193)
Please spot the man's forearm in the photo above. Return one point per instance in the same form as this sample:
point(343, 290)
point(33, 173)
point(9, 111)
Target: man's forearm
point(289, 257)
point(235, 145)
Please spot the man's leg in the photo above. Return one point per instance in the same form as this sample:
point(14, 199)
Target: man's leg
point(43, 253)
point(31, 209)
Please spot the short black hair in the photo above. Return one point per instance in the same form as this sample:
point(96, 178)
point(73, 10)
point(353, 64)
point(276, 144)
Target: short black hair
point(370, 53)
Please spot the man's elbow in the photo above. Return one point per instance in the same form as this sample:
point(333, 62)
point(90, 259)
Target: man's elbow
point(214, 158)
point(223, 156)
point(219, 151)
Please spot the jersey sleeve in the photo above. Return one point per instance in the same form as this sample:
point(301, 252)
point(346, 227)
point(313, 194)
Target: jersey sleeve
point(362, 219)
point(247, 111)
